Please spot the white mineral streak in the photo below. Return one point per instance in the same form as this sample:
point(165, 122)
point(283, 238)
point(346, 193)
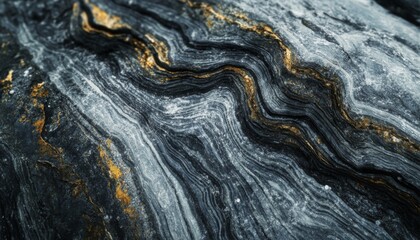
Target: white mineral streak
point(164, 192)
point(379, 72)
point(280, 198)
point(287, 199)
point(381, 78)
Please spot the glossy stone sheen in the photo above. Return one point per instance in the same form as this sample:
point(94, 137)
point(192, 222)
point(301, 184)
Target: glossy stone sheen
point(165, 119)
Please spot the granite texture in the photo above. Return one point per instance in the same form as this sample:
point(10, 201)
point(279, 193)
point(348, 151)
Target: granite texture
point(165, 119)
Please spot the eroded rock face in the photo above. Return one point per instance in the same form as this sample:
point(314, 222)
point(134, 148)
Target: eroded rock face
point(209, 120)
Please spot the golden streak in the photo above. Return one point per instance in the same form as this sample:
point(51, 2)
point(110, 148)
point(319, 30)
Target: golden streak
point(100, 18)
point(38, 91)
point(114, 171)
point(146, 59)
point(103, 18)
point(116, 174)
point(387, 133)
point(160, 48)
point(255, 113)
point(78, 185)
point(243, 22)
point(6, 83)
point(145, 55)
point(39, 125)
point(122, 195)
point(88, 28)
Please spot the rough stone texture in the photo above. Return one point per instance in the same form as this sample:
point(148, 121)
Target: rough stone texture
point(254, 119)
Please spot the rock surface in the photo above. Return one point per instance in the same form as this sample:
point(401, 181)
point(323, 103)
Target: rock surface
point(254, 119)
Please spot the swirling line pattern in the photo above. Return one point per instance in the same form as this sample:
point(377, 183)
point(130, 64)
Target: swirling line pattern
point(193, 120)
